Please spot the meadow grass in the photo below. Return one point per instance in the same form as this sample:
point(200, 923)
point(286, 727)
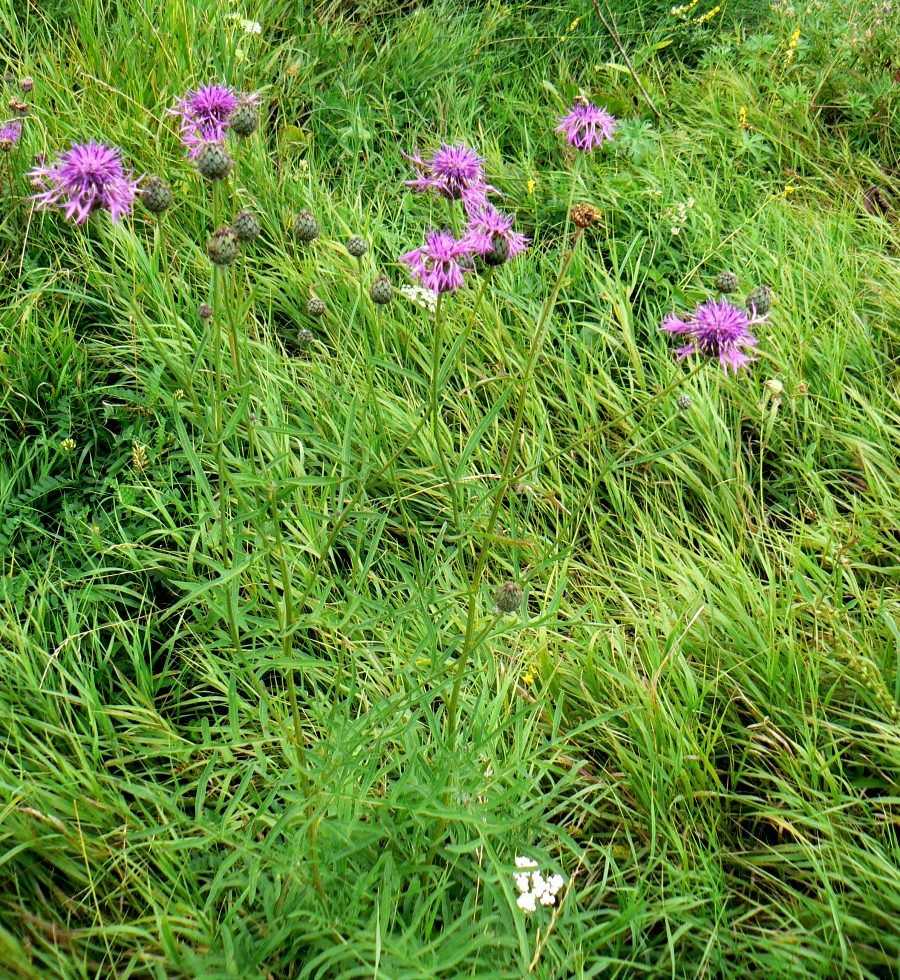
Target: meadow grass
point(693, 718)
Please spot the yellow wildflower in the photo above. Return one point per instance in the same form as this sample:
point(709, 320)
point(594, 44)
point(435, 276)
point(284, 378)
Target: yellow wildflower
point(708, 16)
point(531, 185)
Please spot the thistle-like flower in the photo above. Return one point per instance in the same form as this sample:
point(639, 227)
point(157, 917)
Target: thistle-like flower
point(87, 177)
point(508, 598)
point(587, 126)
point(205, 115)
point(10, 134)
point(454, 172)
point(716, 329)
point(440, 262)
point(486, 225)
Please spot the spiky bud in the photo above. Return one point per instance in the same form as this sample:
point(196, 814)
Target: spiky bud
point(247, 226)
point(9, 78)
point(508, 598)
point(382, 291)
point(315, 307)
point(205, 311)
point(306, 228)
point(213, 161)
point(499, 251)
point(222, 246)
point(726, 282)
point(304, 338)
point(27, 84)
point(584, 215)
point(157, 196)
point(683, 402)
point(357, 246)
point(244, 119)
point(759, 302)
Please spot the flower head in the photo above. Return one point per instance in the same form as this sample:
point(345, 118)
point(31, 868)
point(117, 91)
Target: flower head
point(87, 177)
point(10, 133)
point(716, 329)
point(440, 262)
point(587, 126)
point(533, 887)
point(486, 224)
point(205, 115)
point(454, 172)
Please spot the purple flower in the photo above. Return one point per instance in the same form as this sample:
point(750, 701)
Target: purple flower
point(717, 329)
point(587, 126)
point(486, 224)
point(10, 133)
point(86, 178)
point(440, 262)
point(454, 172)
point(205, 113)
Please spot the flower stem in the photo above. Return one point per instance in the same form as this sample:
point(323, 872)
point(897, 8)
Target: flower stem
point(435, 408)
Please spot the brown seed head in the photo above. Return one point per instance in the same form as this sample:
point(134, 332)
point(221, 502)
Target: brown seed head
point(584, 215)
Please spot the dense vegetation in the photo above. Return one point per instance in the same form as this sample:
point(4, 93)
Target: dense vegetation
point(258, 714)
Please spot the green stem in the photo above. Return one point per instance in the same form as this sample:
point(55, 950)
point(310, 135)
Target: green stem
point(435, 408)
point(503, 485)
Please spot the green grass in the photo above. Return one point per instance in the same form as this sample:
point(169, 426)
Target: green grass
point(695, 716)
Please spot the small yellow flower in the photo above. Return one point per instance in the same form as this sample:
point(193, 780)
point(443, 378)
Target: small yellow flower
point(528, 677)
point(742, 118)
point(67, 445)
point(792, 47)
point(179, 394)
point(574, 25)
point(708, 16)
point(685, 9)
point(139, 458)
point(531, 185)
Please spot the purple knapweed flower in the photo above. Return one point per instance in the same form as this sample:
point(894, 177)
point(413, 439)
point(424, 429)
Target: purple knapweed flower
point(205, 114)
point(87, 177)
point(10, 133)
point(454, 172)
point(486, 224)
point(716, 329)
point(587, 126)
point(440, 262)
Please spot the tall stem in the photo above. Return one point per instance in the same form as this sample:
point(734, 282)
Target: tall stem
point(435, 408)
point(503, 486)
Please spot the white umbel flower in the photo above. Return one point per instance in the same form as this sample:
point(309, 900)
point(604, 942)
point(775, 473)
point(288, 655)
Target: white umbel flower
point(533, 887)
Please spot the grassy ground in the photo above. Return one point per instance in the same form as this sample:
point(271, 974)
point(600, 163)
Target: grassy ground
point(693, 717)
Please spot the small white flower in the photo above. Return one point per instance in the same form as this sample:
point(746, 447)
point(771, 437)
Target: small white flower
point(247, 26)
point(425, 298)
point(523, 882)
point(526, 902)
point(555, 883)
point(524, 862)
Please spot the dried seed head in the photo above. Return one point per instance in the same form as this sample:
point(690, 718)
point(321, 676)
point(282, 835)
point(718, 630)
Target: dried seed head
point(508, 598)
point(213, 161)
point(27, 84)
point(584, 215)
point(306, 228)
point(357, 246)
point(726, 282)
point(222, 246)
point(18, 106)
point(156, 195)
point(382, 291)
point(683, 402)
point(247, 226)
point(315, 307)
point(205, 311)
